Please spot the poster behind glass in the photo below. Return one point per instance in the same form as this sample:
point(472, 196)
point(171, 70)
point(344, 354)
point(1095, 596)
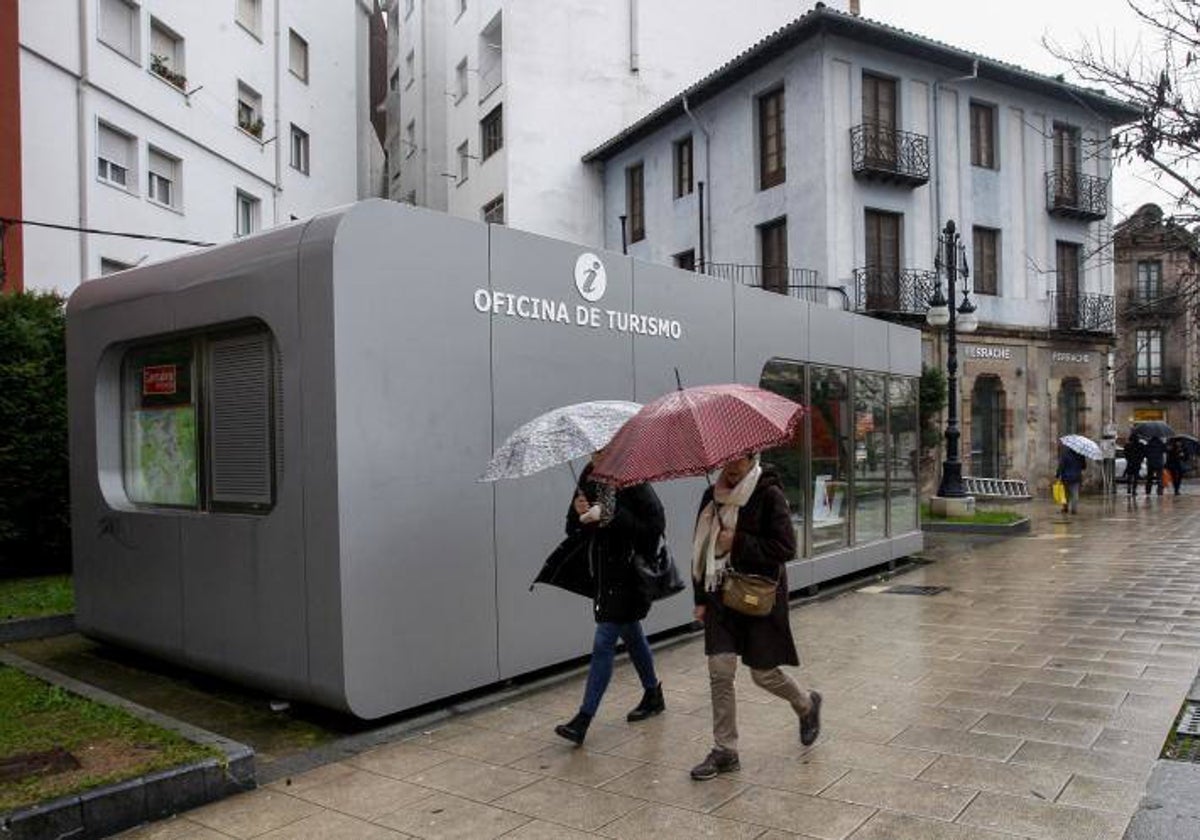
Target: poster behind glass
point(829, 391)
point(161, 448)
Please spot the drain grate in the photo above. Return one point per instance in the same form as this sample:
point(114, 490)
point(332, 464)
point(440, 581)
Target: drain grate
point(1184, 743)
point(1189, 721)
point(908, 589)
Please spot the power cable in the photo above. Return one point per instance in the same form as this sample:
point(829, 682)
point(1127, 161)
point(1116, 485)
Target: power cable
point(7, 220)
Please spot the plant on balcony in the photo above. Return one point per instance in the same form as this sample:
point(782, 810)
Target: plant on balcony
point(252, 125)
point(160, 67)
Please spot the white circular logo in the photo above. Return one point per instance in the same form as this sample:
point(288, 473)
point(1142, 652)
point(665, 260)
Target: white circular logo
point(590, 277)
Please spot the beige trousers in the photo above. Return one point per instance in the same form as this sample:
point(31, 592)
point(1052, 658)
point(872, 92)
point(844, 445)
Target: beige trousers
point(722, 669)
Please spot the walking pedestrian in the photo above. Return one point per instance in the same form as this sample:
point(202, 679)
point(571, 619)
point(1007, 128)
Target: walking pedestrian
point(745, 526)
point(1175, 464)
point(616, 525)
point(1135, 453)
point(1070, 469)
point(1155, 451)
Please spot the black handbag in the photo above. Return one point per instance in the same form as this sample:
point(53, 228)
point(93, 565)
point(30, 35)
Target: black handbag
point(657, 576)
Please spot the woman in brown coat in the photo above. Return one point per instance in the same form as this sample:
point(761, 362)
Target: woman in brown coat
point(745, 525)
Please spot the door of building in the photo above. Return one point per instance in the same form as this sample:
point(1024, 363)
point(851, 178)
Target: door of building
point(773, 247)
point(883, 261)
point(1066, 284)
point(1066, 165)
point(879, 115)
point(987, 427)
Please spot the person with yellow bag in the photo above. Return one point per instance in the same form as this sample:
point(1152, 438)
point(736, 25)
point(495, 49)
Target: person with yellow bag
point(1070, 475)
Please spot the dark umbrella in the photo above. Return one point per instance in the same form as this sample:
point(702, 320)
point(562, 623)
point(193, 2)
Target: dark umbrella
point(569, 567)
point(1152, 428)
point(1190, 443)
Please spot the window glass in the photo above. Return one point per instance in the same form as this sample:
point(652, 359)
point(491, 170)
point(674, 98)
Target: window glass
point(787, 379)
point(161, 447)
point(114, 156)
point(983, 133)
point(683, 167)
point(830, 432)
point(297, 56)
point(492, 132)
point(493, 211)
point(771, 148)
point(635, 202)
point(986, 247)
point(870, 457)
point(904, 454)
point(299, 152)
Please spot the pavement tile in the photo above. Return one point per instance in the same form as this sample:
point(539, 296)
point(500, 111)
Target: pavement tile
point(493, 747)
point(664, 823)
point(253, 813)
point(538, 830)
point(885, 759)
point(941, 716)
point(446, 817)
point(1094, 666)
point(1015, 675)
point(1148, 745)
point(920, 798)
point(573, 764)
point(363, 794)
point(681, 756)
point(1024, 706)
point(601, 737)
point(173, 828)
point(571, 805)
point(1042, 820)
point(796, 775)
point(397, 760)
point(953, 742)
point(795, 812)
point(1057, 732)
point(1134, 685)
point(329, 825)
point(1015, 779)
point(888, 826)
point(670, 786)
point(1075, 694)
point(1102, 795)
point(1107, 765)
point(311, 778)
point(1082, 713)
point(473, 779)
point(512, 720)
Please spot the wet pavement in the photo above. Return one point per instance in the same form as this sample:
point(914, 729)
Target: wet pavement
point(1030, 699)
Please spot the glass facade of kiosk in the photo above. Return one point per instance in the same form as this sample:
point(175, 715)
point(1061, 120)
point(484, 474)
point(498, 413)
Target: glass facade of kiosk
point(851, 473)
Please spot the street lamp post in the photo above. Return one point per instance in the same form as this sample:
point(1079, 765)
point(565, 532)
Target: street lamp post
point(952, 260)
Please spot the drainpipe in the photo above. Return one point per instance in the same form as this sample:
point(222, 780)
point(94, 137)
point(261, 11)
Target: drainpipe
point(700, 204)
point(937, 146)
point(707, 178)
point(81, 128)
point(633, 36)
point(279, 140)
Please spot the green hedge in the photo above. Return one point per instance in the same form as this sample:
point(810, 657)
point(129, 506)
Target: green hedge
point(34, 517)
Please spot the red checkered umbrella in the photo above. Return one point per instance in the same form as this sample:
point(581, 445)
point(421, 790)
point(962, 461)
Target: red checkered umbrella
point(695, 430)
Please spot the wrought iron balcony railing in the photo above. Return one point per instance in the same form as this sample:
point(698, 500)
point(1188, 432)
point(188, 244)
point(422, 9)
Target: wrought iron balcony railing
point(1081, 313)
point(880, 152)
point(1166, 381)
point(1160, 304)
point(904, 290)
point(802, 283)
point(1073, 195)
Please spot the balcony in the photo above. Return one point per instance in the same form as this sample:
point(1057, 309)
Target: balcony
point(1167, 382)
point(1140, 305)
point(802, 283)
point(1081, 313)
point(881, 153)
point(904, 291)
point(1073, 195)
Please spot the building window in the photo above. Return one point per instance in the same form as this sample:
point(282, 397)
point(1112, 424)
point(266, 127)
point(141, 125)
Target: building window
point(831, 448)
point(491, 57)
point(119, 27)
point(635, 202)
point(166, 55)
point(1066, 165)
point(460, 82)
point(299, 149)
point(464, 156)
point(1066, 297)
point(683, 167)
point(394, 81)
point(247, 213)
point(410, 138)
point(773, 249)
point(208, 406)
point(164, 178)
point(1149, 280)
point(879, 118)
point(297, 56)
point(410, 68)
point(1148, 349)
point(771, 146)
point(115, 157)
point(249, 110)
point(870, 457)
point(986, 248)
point(685, 259)
point(108, 266)
point(493, 211)
point(883, 292)
point(491, 131)
point(249, 15)
point(983, 135)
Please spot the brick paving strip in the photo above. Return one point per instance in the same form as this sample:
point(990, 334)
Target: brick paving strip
point(1029, 700)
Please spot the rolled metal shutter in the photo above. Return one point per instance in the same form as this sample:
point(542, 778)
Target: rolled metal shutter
point(241, 425)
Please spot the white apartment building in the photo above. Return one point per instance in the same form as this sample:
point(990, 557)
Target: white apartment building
point(492, 102)
point(834, 151)
point(196, 121)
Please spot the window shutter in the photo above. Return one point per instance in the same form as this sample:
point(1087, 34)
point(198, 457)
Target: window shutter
point(116, 25)
point(298, 56)
point(113, 147)
point(240, 420)
point(247, 12)
point(161, 165)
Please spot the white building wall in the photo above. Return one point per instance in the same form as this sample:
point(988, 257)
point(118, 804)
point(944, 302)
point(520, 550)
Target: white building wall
point(71, 81)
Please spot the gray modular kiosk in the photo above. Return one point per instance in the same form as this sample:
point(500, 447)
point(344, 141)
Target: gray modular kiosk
point(275, 445)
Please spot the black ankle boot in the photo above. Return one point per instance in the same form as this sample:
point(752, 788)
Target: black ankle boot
point(652, 704)
point(575, 730)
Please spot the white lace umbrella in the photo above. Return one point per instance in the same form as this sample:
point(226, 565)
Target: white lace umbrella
point(557, 437)
point(1085, 446)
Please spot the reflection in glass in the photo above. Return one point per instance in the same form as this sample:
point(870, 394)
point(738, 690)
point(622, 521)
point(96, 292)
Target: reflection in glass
point(161, 456)
point(904, 453)
point(787, 379)
point(870, 457)
point(830, 423)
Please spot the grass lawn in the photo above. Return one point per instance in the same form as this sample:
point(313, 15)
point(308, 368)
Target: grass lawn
point(981, 517)
point(33, 597)
point(109, 744)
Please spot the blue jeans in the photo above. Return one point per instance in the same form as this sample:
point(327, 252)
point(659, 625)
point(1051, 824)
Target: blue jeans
point(604, 650)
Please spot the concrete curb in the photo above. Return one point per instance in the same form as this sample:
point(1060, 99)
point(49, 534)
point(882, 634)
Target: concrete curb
point(1021, 526)
point(112, 808)
point(21, 629)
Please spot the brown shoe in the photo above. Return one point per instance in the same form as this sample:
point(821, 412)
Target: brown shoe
point(810, 724)
point(718, 761)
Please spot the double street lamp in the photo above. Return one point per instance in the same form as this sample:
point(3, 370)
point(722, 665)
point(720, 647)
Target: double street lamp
point(951, 260)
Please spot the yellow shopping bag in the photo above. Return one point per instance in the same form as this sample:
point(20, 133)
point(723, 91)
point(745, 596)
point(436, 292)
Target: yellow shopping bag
point(1060, 492)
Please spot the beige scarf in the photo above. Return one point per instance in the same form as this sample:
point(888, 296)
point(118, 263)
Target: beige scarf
point(722, 511)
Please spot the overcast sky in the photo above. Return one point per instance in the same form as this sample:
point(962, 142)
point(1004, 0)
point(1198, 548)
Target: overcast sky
point(1012, 30)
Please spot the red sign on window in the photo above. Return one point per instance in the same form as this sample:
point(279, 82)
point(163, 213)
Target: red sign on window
point(158, 379)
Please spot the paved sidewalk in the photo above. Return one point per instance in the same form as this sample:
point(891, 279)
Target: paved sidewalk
point(1029, 700)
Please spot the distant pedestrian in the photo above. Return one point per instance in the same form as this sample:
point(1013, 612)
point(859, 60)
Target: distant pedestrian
point(744, 525)
point(1156, 450)
point(1135, 453)
point(1175, 457)
point(1070, 469)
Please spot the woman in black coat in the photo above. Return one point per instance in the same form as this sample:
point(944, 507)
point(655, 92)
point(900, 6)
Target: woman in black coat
point(745, 525)
point(616, 525)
